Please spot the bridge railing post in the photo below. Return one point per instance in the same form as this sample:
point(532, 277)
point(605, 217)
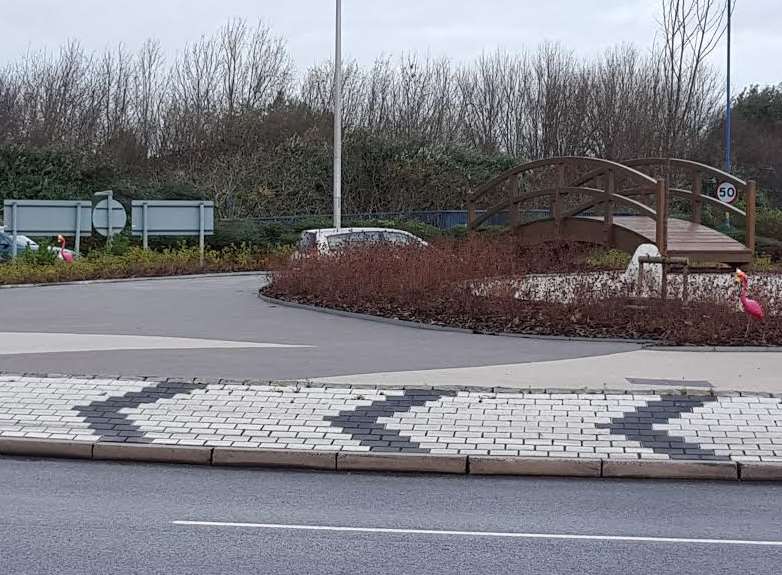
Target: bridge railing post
point(608, 209)
point(661, 234)
point(697, 201)
point(752, 192)
point(556, 206)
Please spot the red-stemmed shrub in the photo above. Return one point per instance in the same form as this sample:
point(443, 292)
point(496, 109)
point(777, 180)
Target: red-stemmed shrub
point(476, 284)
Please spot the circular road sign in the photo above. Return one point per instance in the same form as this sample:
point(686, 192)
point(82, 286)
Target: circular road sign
point(726, 192)
point(100, 217)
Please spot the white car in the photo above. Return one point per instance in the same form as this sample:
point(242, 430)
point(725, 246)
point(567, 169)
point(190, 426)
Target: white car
point(330, 240)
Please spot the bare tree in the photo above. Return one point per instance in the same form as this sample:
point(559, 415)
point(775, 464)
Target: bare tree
point(692, 30)
point(149, 88)
point(269, 71)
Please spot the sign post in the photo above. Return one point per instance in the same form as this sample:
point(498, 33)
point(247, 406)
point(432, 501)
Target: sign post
point(14, 216)
point(201, 232)
point(77, 239)
point(727, 194)
point(108, 216)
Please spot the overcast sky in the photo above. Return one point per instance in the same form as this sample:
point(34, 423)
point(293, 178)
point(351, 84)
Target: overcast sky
point(461, 29)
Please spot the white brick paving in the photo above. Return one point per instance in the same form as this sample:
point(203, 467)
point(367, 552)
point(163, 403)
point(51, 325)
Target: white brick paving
point(747, 428)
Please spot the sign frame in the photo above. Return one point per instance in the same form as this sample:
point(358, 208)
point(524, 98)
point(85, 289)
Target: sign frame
point(17, 212)
point(143, 212)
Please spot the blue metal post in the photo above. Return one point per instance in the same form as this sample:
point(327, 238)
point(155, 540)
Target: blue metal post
point(728, 106)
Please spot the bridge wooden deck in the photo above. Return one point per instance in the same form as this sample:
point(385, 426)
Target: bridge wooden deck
point(690, 240)
point(576, 186)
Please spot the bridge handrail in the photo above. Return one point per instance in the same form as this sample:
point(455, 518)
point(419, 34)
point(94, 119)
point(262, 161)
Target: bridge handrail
point(673, 191)
point(699, 169)
point(645, 184)
point(550, 162)
point(601, 197)
point(691, 165)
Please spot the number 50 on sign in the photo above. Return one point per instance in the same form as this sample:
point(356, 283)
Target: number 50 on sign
point(726, 192)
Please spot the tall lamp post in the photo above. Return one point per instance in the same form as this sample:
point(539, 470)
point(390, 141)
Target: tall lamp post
point(728, 106)
point(338, 120)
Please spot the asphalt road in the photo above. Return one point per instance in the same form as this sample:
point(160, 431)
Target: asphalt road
point(69, 517)
point(227, 308)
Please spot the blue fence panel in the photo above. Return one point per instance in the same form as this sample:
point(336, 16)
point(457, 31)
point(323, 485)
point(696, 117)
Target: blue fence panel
point(442, 219)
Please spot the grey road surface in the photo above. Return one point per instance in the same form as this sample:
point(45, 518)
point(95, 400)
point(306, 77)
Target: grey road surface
point(82, 518)
point(227, 308)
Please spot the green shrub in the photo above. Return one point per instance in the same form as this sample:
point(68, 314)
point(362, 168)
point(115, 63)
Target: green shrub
point(762, 264)
point(43, 256)
point(136, 262)
point(769, 223)
point(601, 258)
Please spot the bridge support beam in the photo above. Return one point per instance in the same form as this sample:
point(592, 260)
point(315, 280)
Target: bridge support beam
point(752, 192)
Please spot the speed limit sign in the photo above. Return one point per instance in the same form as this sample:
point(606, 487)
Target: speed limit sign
point(726, 192)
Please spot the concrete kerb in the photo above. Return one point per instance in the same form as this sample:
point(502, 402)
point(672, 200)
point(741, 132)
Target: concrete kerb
point(45, 448)
point(435, 327)
point(489, 391)
point(151, 453)
point(392, 462)
point(676, 469)
point(645, 343)
point(402, 462)
point(244, 457)
point(758, 471)
point(545, 466)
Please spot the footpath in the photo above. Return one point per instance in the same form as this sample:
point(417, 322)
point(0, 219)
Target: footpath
point(696, 433)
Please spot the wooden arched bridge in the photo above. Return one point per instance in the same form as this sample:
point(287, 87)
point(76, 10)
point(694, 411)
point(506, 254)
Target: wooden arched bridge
point(621, 205)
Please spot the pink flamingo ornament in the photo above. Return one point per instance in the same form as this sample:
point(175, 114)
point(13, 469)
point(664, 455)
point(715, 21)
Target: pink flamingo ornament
point(66, 255)
point(752, 308)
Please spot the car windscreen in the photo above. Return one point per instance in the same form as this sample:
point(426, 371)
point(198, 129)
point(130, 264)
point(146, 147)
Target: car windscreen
point(307, 242)
point(337, 241)
point(399, 239)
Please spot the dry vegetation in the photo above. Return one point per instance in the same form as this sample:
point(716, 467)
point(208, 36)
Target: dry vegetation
point(438, 286)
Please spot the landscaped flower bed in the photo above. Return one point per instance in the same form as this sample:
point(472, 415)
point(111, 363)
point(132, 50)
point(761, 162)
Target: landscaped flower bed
point(438, 286)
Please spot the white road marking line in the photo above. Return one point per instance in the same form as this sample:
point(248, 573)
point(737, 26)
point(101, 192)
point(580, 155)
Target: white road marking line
point(12, 343)
point(504, 534)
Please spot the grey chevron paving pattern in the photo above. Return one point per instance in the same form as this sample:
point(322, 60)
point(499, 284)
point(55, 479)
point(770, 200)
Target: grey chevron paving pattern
point(605, 425)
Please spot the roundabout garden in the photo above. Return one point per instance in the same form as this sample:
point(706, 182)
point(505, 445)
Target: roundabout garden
point(497, 284)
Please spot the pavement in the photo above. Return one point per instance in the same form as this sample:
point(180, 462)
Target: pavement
point(72, 518)
point(657, 369)
point(602, 426)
